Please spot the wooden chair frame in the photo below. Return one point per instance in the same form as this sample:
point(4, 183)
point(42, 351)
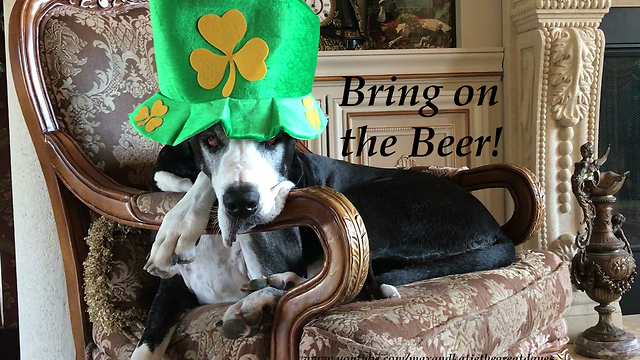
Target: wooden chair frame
point(76, 186)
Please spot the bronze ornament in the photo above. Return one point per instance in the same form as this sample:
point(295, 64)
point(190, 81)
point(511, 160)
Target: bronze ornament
point(603, 267)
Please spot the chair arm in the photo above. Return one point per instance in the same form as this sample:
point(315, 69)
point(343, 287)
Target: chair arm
point(90, 184)
point(522, 184)
point(344, 240)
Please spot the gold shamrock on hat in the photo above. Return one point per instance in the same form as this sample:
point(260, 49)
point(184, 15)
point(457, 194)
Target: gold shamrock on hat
point(311, 114)
point(224, 33)
point(151, 120)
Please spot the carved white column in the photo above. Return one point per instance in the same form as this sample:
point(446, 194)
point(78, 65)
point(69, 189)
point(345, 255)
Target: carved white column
point(554, 65)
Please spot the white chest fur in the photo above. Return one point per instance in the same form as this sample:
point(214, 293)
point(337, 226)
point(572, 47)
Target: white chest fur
point(217, 272)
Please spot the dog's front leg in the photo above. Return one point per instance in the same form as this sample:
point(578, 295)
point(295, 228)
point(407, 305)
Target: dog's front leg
point(173, 300)
point(181, 228)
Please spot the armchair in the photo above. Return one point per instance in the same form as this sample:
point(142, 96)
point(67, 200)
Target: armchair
point(80, 66)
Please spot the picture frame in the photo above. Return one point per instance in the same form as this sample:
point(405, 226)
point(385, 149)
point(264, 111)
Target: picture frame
point(410, 24)
point(346, 29)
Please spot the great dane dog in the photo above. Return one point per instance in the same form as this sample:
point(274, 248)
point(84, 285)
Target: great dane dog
point(419, 226)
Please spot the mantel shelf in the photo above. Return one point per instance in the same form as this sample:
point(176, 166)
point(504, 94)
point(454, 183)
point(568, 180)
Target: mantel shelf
point(625, 3)
point(436, 62)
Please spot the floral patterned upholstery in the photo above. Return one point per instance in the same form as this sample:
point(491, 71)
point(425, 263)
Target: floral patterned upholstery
point(509, 311)
point(514, 310)
point(98, 67)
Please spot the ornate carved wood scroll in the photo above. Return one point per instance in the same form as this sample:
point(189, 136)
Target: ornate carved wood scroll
point(102, 4)
point(557, 72)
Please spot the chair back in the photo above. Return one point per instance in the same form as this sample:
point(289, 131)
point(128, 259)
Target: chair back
point(97, 65)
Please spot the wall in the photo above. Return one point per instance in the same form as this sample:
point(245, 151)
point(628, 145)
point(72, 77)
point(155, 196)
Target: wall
point(45, 329)
point(479, 23)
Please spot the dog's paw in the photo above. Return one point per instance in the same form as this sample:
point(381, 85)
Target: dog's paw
point(255, 285)
point(181, 228)
point(167, 181)
point(163, 274)
point(283, 281)
point(251, 314)
point(389, 291)
point(143, 352)
point(176, 240)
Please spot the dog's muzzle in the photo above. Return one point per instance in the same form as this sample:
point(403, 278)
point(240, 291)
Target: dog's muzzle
point(241, 201)
point(244, 208)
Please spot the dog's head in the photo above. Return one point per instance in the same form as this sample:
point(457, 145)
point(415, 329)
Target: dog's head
point(248, 177)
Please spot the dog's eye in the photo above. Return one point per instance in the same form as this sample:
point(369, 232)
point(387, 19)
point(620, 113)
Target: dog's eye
point(271, 142)
point(212, 141)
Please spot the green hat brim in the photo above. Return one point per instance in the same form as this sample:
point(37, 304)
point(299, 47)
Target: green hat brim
point(257, 119)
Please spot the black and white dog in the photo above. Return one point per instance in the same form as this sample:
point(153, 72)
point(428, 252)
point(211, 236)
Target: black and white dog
point(420, 226)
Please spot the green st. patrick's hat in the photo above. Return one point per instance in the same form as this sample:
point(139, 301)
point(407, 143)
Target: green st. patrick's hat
point(249, 64)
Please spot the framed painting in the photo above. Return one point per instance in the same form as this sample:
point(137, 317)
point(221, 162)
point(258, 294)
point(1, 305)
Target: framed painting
point(410, 24)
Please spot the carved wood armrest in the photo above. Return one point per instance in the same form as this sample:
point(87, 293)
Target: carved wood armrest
point(522, 184)
point(344, 240)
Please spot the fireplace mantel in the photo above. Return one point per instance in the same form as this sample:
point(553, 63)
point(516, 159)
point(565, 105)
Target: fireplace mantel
point(625, 3)
point(433, 62)
point(389, 116)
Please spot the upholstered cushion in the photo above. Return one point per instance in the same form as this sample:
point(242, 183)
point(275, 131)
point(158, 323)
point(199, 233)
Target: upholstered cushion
point(515, 310)
point(490, 312)
point(196, 338)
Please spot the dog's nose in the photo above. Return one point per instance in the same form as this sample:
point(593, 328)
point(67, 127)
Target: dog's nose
point(241, 200)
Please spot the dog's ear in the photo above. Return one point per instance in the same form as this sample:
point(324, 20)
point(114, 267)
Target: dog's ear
point(196, 149)
point(290, 147)
point(291, 144)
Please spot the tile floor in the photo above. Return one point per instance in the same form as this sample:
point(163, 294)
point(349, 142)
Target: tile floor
point(630, 323)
